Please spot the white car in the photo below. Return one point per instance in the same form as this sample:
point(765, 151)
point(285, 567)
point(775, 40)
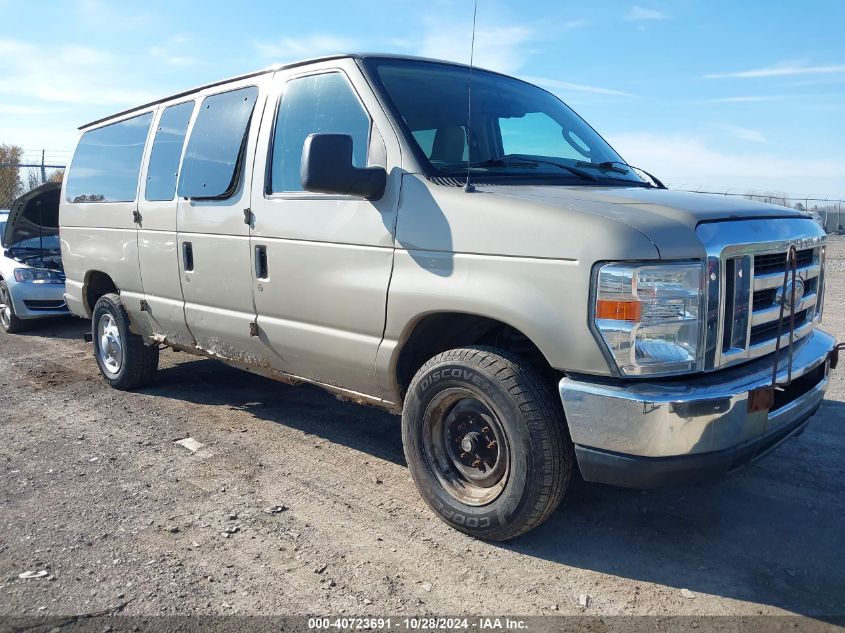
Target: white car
point(32, 280)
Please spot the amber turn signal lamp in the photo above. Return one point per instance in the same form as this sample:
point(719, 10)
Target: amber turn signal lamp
point(618, 310)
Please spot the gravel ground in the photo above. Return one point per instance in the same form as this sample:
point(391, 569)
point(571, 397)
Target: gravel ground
point(299, 503)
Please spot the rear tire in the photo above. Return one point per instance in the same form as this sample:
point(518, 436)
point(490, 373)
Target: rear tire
point(486, 442)
point(123, 358)
point(9, 321)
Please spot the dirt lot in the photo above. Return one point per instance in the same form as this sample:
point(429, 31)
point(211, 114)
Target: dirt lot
point(95, 492)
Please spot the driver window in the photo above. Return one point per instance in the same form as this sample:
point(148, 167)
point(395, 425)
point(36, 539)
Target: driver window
point(315, 104)
point(537, 134)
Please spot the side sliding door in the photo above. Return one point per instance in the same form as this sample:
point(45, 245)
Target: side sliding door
point(156, 218)
point(215, 265)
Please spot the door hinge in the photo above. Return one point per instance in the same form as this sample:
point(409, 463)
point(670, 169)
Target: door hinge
point(248, 216)
point(253, 329)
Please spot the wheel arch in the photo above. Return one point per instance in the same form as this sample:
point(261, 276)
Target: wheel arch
point(95, 285)
point(435, 332)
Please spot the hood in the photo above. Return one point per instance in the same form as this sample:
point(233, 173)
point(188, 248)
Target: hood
point(656, 213)
point(34, 214)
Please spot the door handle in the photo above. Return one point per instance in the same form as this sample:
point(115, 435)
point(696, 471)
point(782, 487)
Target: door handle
point(261, 269)
point(136, 216)
point(187, 256)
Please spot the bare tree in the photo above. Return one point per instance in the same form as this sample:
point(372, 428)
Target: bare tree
point(10, 181)
point(32, 180)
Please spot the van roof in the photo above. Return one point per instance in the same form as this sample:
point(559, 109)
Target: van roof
point(270, 69)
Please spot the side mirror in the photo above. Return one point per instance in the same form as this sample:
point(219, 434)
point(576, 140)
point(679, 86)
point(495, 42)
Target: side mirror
point(327, 168)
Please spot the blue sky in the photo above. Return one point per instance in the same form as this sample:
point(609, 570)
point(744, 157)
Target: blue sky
point(706, 94)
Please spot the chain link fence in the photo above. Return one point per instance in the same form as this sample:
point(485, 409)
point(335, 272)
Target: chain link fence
point(17, 179)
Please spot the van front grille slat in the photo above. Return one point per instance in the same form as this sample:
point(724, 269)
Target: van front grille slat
point(750, 317)
point(764, 299)
point(769, 331)
point(776, 262)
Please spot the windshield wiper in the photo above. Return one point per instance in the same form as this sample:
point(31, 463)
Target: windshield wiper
point(507, 161)
point(610, 165)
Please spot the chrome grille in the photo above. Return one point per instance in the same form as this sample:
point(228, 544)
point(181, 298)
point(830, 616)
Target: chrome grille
point(776, 262)
point(753, 311)
point(746, 283)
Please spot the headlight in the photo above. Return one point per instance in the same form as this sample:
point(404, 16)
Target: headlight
point(37, 276)
point(650, 316)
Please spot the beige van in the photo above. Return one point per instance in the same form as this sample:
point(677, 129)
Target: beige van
point(490, 269)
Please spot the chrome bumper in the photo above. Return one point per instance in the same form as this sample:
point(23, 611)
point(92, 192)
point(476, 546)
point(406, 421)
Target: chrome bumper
point(674, 425)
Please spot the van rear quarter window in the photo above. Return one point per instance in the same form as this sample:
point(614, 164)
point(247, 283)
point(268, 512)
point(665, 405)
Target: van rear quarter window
point(167, 151)
point(107, 162)
point(213, 157)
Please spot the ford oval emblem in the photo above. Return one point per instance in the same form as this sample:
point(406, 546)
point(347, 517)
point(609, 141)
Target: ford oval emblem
point(786, 299)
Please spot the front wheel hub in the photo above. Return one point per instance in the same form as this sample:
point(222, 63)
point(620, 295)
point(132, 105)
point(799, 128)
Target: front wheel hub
point(466, 447)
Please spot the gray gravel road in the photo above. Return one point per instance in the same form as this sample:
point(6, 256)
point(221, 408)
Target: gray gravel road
point(96, 493)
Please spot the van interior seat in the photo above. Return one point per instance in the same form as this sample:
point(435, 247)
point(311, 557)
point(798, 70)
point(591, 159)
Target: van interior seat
point(449, 144)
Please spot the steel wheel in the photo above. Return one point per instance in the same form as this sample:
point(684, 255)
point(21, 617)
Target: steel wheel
point(111, 347)
point(466, 447)
point(5, 307)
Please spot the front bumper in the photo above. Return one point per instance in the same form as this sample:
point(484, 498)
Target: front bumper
point(680, 432)
point(33, 301)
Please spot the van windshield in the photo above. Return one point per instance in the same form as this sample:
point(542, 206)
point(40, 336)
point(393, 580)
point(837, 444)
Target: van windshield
point(517, 130)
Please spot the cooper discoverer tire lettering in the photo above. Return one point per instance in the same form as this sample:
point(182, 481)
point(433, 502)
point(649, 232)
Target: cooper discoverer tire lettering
point(486, 442)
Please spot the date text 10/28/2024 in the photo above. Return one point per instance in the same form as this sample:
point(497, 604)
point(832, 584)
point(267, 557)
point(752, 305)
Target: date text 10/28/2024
point(417, 624)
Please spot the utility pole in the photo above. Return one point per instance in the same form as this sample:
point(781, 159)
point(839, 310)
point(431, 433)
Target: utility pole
point(43, 169)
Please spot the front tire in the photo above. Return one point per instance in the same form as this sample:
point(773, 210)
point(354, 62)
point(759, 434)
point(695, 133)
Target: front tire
point(9, 321)
point(486, 442)
point(123, 358)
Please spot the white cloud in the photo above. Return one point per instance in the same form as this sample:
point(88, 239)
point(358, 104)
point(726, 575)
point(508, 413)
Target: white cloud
point(169, 52)
point(295, 48)
point(26, 109)
point(690, 162)
point(748, 134)
point(565, 86)
point(70, 74)
point(782, 69)
point(504, 48)
point(639, 14)
point(748, 99)
point(58, 136)
point(101, 13)
point(574, 24)
point(163, 55)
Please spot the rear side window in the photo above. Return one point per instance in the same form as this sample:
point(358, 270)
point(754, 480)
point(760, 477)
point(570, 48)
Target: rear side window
point(316, 104)
point(167, 150)
point(107, 162)
point(214, 156)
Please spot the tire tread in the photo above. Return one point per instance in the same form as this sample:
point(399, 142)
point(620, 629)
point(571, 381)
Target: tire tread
point(543, 414)
point(140, 361)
